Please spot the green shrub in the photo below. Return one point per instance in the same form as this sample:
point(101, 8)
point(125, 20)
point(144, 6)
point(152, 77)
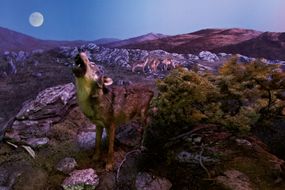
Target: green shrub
point(236, 98)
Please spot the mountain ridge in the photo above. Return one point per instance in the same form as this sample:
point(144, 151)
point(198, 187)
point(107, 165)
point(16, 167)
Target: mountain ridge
point(252, 43)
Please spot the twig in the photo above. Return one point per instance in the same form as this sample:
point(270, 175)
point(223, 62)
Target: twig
point(201, 162)
point(178, 138)
point(125, 158)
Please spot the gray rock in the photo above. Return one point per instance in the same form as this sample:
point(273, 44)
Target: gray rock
point(223, 54)
point(6, 53)
point(4, 188)
point(146, 181)
point(123, 82)
point(37, 116)
point(21, 56)
point(66, 165)
point(49, 102)
point(9, 176)
point(129, 170)
point(11, 67)
point(243, 59)
point(193, 57)
point(37, 51)
point(130, 134)
point(91, 46)
point(243, 142)
point(187, 157)
point(37, 75)
point(37, 142)
point(208, 56)
point(74, 52)
point(234, 180)
point(81, 179)
point(86, 140)
point(107, 182)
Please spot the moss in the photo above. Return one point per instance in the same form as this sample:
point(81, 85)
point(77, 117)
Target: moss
point(79, 187)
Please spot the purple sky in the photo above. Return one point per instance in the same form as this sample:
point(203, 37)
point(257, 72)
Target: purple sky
point(93, 19)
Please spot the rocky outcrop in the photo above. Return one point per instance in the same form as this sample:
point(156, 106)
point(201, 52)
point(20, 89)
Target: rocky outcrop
point(11, 61)
point(36, 117)
point(208, 56)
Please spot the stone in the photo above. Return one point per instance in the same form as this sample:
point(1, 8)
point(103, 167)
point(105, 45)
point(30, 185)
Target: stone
point(21, 56)
point(223, 54)
point(38, 51)
point(208, 56)
point(129, 135)
point(129, 170)
point(192, 158)
point(66, 165)
point(146, 181)
point(91, 46)
point(193, 57)
point(243, 59)
point(234, 180)
point(11, 67)
point(86, 139)
point(32, 178)
point(37, 142)
point(36, 117)
point(243, 142)
point(81, 179)
point(107, 182)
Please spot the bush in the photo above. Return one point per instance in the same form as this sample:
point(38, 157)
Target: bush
point(236, 98)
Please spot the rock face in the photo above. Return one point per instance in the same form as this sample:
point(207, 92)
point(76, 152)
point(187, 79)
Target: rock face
point(36, 117)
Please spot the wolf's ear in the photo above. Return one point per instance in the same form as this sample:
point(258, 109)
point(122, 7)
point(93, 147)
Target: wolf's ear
point(107, 81)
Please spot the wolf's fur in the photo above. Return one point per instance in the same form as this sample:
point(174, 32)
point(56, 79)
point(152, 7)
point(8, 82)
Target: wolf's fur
point(105, 106)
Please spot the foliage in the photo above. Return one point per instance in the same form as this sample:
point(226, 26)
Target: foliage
point(236, 98)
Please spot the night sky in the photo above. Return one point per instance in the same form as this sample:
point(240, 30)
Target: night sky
point(93, 19)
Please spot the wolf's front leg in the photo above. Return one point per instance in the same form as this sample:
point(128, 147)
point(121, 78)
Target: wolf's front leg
point(99, 131)
point(111, 139)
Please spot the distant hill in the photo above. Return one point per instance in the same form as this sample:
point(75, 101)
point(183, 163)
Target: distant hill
point(195, 42)
point(252, 43)
point(11, 40)
point(102, 41)
point(269, 45)
point(15, 41)
point(135, 40)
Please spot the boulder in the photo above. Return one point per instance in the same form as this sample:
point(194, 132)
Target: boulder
point(146, 181)
point(208, 56)
point(130, 134)
point(81, 179)
point(234, 180)
point(66, 165)
point(36, 117)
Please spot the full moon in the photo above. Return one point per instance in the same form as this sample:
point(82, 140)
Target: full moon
point(36, 19)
